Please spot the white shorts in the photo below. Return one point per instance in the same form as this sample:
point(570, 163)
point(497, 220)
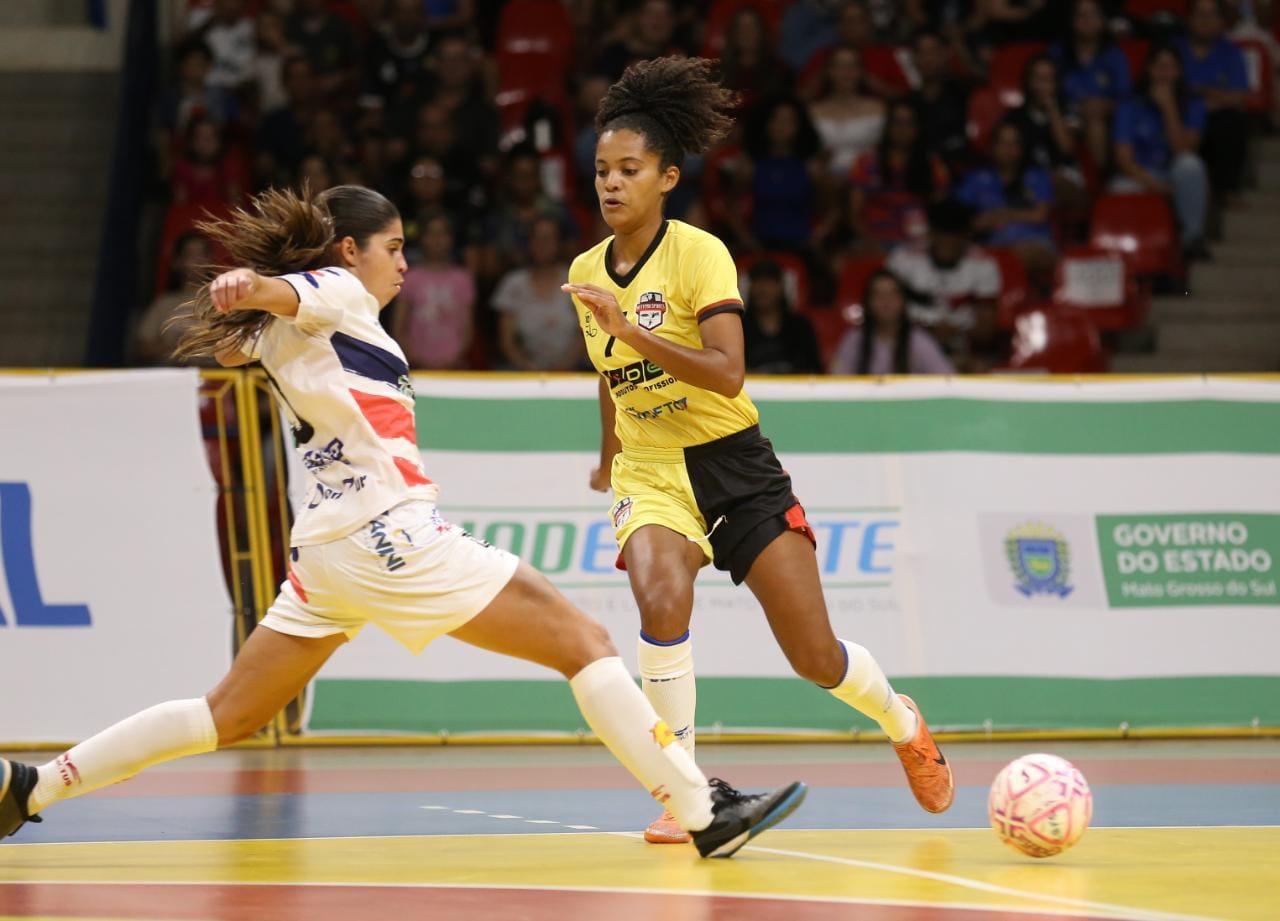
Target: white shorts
point(409, 571)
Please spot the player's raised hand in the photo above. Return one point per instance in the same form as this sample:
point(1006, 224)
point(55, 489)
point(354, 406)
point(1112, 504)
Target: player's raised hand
point(603, 306)
point(231, 289)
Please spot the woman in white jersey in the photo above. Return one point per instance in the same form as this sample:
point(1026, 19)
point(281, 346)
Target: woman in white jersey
point(369, 545)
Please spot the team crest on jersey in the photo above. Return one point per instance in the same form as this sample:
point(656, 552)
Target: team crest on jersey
point(651, 310)
point(621, 511)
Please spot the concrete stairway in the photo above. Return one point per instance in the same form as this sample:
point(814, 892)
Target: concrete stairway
point(1231, 319)
point(58, 134)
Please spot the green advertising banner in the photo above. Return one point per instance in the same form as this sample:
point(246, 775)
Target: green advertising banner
point(1191, 559)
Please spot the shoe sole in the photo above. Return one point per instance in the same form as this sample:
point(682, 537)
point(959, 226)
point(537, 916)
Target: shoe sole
point(10, 820)
point(783, 808)
point(652, 837)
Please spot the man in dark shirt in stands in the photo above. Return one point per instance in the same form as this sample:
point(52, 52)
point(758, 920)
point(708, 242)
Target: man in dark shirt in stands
point(941, 99)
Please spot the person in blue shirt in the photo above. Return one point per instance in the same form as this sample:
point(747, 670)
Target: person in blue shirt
point(1012, 200)
point(784, 149)
point(1157, 133)
point(1215, 70)
point(1095, 75)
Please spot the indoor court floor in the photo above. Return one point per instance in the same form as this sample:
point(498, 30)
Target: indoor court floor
point(1181, 830)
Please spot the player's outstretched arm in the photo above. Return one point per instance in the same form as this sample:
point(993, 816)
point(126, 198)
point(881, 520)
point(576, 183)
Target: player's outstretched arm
point(245, 289)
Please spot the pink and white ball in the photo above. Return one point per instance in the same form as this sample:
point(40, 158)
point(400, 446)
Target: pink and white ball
point(1040, 804)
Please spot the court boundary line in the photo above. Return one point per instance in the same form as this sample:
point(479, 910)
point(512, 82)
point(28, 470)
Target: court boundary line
point(1119, 914)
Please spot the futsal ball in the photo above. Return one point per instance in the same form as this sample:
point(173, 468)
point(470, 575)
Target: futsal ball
point(1040, 804)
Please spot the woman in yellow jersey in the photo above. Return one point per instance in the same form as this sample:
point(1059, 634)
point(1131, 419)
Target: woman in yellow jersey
point(694, 480)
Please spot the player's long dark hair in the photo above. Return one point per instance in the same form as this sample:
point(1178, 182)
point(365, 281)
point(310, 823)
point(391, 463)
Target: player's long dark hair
point(1181, 90)
point(901, 336)
point(278, 233)
point(917, 172)
point(674, 103)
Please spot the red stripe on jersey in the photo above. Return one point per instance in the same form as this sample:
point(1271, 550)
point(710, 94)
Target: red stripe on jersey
point(297, 585)
point(796, 521)
point(411, 472)
point(732, 303)
point(388, 417)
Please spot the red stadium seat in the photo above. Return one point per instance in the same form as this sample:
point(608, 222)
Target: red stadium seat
point(1141, 228)
point(1013, 284)
point(526, 77)
point(829, 326)
point(1135, 52)
point(1100, 283)
point(1057, 340)
point(536, 27)
point(722, 13)
point(529, 72)
point(795, 275)
point(1004, 73)
point(884, 62)
point(533, 50)
point(985, 112)
point(1261, 71)
point(853, 279)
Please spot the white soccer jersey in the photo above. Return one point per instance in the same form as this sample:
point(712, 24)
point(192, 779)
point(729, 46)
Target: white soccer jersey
point(345, 385)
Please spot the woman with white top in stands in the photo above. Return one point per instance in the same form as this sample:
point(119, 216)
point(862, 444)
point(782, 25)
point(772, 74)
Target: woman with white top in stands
point(848, 119)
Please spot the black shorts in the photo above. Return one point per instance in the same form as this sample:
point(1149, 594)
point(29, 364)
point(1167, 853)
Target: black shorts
point(745, 497)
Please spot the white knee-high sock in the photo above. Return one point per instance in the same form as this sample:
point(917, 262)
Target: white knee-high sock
point(620, 716)
point(160, 733)
point(666, 675)
point(866, 689)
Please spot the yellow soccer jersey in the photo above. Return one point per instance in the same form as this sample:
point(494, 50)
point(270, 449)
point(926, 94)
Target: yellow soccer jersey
point(686, 276)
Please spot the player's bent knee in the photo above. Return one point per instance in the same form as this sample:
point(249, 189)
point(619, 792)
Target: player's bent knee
point(236, 727)
point(591, 642)
point(664, 611)
point(822, 667)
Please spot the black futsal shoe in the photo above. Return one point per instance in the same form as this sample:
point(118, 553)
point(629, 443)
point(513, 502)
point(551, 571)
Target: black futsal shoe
point(739, 817)
point(17, 780)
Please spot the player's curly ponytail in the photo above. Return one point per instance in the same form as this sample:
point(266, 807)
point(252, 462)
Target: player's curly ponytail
point(279, 233)
point(674, 103)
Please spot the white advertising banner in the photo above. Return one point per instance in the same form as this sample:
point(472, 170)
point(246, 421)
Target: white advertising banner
point(967, 529)
point(111, 589)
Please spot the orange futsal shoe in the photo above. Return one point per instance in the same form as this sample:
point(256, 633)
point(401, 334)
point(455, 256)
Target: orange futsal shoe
point(666, 830)
point(927, 770)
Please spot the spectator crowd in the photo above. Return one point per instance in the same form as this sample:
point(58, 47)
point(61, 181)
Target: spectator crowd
point(905, 181)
